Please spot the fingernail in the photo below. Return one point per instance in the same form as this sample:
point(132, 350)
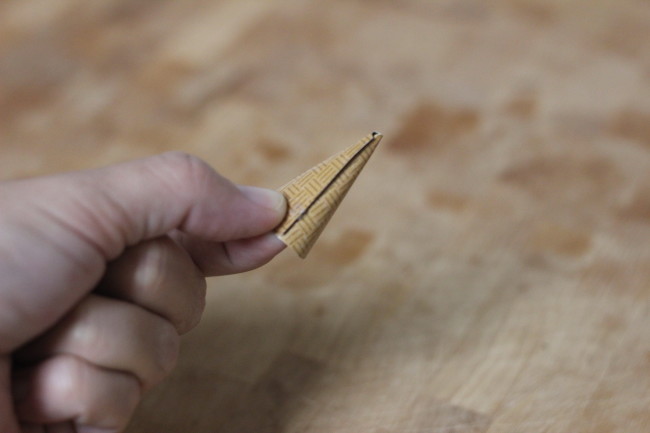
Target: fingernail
point(273, 243)
point(266, 197)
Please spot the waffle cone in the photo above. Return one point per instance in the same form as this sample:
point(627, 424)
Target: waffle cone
point(314, 196)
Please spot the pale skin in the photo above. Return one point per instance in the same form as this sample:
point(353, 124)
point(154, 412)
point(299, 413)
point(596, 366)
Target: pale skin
point(101, 271)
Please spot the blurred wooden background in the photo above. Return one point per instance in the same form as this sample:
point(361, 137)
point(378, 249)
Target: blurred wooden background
point(489, 272)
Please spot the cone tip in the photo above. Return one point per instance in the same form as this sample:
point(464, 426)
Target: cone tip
point(300, 231)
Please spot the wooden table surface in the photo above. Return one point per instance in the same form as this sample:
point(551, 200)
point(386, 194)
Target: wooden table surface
point(490, 270)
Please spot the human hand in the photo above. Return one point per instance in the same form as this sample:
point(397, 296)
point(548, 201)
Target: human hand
point(101, 270)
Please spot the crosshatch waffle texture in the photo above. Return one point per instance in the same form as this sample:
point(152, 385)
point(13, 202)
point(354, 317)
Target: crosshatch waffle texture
point(314, 196)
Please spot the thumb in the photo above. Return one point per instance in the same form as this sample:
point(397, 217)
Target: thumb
point(147, 198)
point(57, 233)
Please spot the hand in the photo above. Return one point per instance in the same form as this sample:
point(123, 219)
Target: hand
point(100, 271)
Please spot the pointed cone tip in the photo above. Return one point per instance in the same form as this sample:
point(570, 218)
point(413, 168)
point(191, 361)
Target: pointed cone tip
point(301, 228)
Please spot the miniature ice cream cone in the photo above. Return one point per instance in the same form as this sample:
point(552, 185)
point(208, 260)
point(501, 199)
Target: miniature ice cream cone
point(314, 196)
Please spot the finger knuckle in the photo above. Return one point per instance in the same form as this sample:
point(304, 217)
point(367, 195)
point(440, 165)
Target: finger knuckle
point(185, 168)
point(151, 270)
point(64, 374)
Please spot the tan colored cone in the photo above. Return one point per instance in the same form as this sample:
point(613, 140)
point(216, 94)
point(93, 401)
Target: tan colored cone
point(314, 196)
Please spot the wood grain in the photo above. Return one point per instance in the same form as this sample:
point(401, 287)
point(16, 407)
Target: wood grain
point(489, 273)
